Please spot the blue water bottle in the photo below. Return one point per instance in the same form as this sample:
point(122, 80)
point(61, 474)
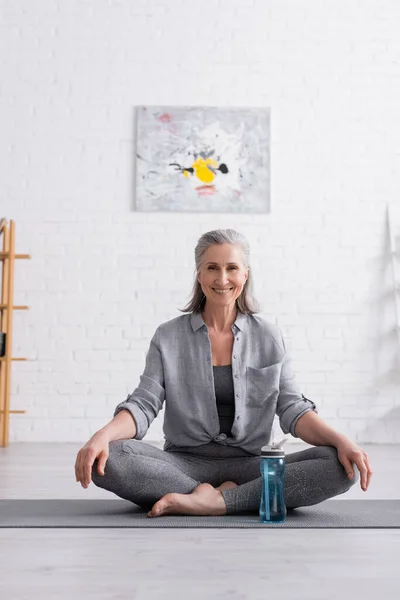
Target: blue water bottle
point(273, 467)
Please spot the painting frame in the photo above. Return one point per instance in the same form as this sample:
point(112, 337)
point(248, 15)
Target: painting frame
point(202, 159)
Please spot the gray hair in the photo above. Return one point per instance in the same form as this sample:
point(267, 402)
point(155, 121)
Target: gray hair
point(246, 303)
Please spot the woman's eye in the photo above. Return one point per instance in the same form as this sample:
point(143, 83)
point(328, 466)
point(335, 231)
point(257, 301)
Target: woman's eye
point(214, 268)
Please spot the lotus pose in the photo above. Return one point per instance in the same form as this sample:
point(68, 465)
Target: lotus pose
point(223, 373)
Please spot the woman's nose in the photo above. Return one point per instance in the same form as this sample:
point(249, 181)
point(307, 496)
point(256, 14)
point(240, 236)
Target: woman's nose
point(223, 279)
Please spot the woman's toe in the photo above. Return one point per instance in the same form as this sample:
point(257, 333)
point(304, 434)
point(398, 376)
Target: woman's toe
point(161, 506)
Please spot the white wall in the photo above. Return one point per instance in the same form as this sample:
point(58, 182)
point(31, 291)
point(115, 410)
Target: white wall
point(102, 277)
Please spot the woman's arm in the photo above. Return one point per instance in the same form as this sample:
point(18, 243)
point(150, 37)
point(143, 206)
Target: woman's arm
point(313, 430)
point(147, 399)
point(292, 404)
point(122, 427)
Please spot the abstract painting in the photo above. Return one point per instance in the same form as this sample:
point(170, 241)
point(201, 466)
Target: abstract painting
point(203, 159)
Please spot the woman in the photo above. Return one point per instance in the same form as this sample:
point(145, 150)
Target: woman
point(224, 373)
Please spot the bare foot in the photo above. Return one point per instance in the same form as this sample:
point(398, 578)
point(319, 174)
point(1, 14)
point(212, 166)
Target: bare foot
point(204, 500)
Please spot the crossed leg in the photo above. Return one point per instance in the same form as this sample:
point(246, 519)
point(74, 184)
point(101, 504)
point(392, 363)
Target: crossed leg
point(202, 485)
point(312, 476)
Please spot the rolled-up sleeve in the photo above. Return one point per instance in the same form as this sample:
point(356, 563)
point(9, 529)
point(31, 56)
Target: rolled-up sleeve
point(292, 404)
point(147, 399)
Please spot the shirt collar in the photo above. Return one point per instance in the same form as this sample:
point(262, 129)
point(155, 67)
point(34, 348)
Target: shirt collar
point(196, 321)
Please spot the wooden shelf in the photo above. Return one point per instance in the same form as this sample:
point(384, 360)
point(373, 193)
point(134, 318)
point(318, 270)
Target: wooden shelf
point(6, 255)
point(7, 307)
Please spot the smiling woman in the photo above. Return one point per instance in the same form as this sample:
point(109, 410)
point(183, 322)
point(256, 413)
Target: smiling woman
point(223, 373)
point(223, 282)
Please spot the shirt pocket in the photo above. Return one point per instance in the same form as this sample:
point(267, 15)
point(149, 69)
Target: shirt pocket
point(262, 385)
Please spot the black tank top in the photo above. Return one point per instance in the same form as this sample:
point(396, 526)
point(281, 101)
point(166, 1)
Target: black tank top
point(224, 394)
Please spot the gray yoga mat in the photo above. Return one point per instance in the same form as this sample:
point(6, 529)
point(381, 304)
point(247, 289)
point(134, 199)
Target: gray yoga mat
point(332, 514)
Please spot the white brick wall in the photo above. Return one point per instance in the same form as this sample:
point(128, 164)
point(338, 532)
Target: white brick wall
point(102, 277)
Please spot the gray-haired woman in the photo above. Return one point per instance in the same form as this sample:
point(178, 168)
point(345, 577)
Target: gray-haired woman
point(224, 374)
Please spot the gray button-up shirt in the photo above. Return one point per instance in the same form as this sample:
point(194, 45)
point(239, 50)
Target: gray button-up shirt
point(179, 370)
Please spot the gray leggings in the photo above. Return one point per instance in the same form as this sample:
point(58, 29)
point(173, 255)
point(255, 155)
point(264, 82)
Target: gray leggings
point(142, 473)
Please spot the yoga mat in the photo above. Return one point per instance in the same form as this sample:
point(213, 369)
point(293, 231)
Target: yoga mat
point(331, 514)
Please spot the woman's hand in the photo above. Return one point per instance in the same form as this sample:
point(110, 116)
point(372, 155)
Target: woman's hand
point(96, 447)
point(349, 453)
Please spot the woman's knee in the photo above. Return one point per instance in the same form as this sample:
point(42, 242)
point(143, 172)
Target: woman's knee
point(111, 467)
point(122, 461)
point(343, 480)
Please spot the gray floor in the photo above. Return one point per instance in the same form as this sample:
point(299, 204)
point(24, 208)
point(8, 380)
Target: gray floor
point(203, 564)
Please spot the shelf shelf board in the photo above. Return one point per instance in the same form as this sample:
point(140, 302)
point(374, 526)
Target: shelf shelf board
point(5, 255)
point(5, 306)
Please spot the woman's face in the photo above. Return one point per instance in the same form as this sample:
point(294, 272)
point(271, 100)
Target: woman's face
point(222, 269)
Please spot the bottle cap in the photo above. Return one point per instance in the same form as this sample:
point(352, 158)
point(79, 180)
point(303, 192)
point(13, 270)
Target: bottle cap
point(269, 451)
point(275, 449)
